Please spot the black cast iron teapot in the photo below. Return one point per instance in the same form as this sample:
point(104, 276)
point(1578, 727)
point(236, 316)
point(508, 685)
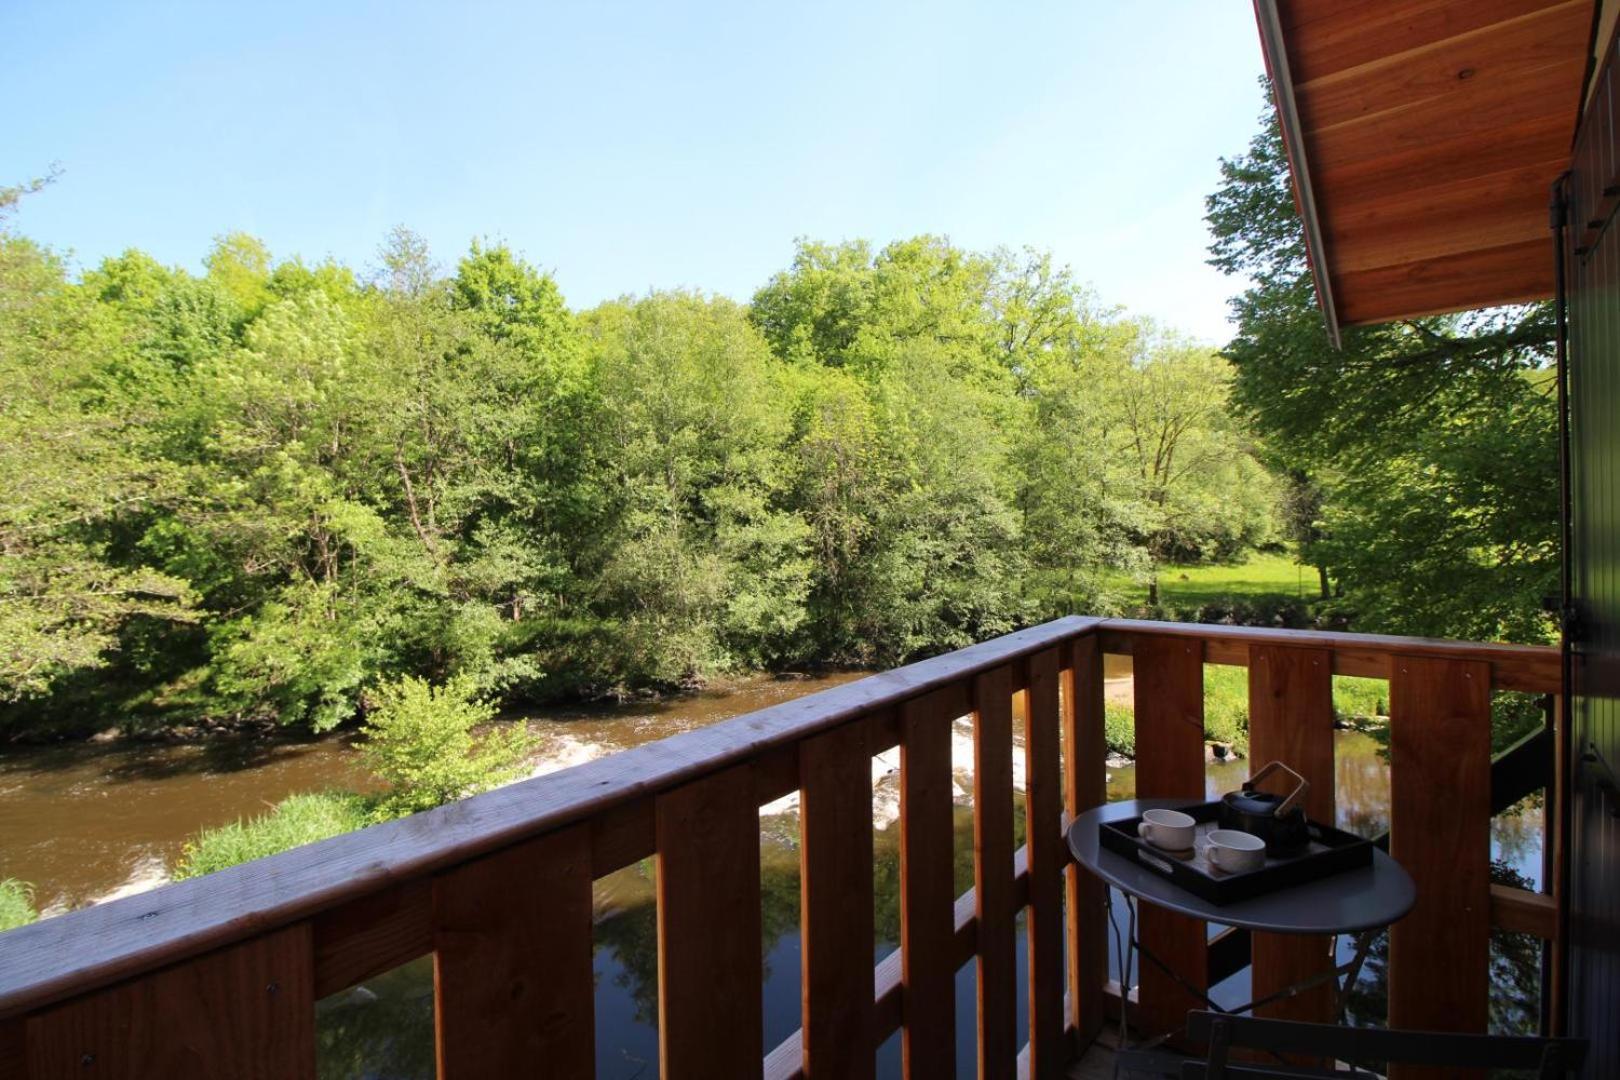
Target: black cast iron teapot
point(1278, 820)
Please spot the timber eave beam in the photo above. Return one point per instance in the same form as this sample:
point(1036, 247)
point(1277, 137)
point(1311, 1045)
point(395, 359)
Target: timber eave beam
point(1275, 49)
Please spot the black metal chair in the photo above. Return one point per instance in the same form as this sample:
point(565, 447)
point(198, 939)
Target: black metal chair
point(1547, 1058)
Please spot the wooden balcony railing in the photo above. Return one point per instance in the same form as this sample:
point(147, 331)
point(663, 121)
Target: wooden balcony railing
point(218, 976)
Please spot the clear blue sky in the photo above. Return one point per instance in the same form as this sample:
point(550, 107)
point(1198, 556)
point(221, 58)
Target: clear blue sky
point(628, 146)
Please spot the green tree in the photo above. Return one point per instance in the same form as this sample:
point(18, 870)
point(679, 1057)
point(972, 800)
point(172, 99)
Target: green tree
point(699, 566)
point(1429, 439)
point(73, 473)
point(1205, 496)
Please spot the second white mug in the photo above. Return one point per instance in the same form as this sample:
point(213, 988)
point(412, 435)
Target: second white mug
point(1235, 852)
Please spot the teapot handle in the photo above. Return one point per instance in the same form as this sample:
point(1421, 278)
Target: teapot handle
point(1298, 792)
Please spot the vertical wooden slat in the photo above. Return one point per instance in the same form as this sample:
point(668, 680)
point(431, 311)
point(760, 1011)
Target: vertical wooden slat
point(835, 903)
point(513, 983)
point(993, 873)
point(246, 1012)
point(1085, 785)
point(1169, 691)
point(710, 963)
point(1291, 720)
point(1440, 831)
point(927, 891)
point(1043, 832)
point(363, 938)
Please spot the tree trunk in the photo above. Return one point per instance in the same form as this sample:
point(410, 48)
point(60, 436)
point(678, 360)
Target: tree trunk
point(1322, 577)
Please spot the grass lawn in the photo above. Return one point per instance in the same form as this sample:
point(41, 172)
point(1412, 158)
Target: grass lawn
point(1193, 586)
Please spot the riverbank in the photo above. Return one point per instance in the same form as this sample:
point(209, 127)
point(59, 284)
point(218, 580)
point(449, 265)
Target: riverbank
point(87, 822)
point(90, 822)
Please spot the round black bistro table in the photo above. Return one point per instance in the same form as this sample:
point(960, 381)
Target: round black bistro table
point(1359, 902)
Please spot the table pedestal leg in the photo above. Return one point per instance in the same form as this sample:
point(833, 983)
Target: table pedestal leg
point(1131, 947)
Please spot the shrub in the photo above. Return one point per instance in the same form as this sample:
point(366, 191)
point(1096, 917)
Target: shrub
point(294, 821)
point(420, 740)
point(16, 904)
point(1119, 729)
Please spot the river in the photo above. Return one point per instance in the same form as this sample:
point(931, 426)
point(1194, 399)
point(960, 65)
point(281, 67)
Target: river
point(89, 822)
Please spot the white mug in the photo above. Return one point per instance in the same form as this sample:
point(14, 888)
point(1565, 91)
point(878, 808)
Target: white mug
point(1168, 830)
point(1235, 852)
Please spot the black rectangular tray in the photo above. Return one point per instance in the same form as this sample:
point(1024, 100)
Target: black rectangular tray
point(1330, 851)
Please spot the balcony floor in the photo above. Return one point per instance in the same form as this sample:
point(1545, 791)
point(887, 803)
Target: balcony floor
point(1098, 1062)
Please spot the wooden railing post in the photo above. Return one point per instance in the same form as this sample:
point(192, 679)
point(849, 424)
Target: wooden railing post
point(246, 1011)
point(1043, 833)
point(1440, 831)
point(1291, 720)
point(1085, 786)
point(513, 984)
point(993, 873)
point(835, 903)
point(1169, 690)
point(710, 963)
point(927, 886)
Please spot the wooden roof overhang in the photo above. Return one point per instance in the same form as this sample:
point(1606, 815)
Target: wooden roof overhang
point(1424, 137)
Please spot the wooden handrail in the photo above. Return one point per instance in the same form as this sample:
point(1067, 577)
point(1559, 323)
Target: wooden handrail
point(1530, 668)
point(312, 921)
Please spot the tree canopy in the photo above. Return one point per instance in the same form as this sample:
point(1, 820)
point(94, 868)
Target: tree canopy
point(268, 489)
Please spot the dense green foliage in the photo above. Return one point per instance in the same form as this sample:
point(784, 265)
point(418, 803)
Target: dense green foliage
point(267, 491)
point(296, 820)
point(16, 904)
point(1421, 455)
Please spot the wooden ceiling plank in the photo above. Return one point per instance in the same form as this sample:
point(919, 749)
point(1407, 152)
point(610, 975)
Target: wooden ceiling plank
point(1328, 36)
point(1487, 294)
point(1407, 203)
point(1502, 53)
point(1511, 274)
point(1444, 161)
point(1419, 241)
point(1546, 93)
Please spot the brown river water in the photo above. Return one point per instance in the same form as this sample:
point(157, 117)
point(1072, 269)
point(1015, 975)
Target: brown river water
point(85, 823)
